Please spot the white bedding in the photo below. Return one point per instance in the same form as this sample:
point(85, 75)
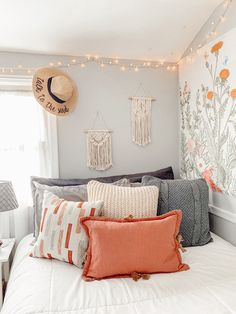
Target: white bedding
point(49, 286)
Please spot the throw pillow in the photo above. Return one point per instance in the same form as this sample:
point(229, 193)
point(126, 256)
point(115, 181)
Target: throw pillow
point(120, 202)
point(61, 236)
point(192, 197)
point(127, 247)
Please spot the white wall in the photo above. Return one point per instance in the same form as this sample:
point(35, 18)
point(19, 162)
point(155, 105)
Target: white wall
point(107, 90)
point(223, 207)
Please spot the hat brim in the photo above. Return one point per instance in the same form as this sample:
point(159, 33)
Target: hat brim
point(41, 93)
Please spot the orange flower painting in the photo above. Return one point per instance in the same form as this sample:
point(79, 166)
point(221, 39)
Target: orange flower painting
point(210, 95)
point(217, 47)
point(208, 129)
point(224, 74)
point(233, 93)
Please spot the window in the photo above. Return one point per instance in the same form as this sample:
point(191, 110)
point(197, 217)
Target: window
point(28, 138)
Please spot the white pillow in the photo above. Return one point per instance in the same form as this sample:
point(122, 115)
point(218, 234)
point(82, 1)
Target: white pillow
point(120, 202)
point(61, 235)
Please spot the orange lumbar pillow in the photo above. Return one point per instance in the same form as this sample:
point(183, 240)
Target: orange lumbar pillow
point(132, 247)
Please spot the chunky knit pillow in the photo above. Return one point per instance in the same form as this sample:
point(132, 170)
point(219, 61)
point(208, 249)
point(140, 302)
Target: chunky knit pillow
point(61, 235)
point(120, 202)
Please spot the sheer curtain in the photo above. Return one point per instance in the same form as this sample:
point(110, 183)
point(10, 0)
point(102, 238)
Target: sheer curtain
point(28, 146)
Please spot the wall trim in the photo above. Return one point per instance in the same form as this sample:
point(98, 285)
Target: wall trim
point(220, 212)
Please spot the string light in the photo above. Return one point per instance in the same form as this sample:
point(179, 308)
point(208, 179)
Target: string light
point(123, 64)
point(212, 33)
point(222, 18)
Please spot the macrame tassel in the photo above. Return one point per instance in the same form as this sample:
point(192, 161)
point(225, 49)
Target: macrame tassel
point(141, 120)
point(99, 149)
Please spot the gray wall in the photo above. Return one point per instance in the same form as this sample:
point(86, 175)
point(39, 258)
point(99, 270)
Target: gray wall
point(223, 207)
point(107, 90)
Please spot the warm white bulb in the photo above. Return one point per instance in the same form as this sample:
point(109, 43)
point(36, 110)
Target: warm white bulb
point(82, 65)
point(51, 64)
point(148, 64)
point(222, 18)
point(59, 63)
point(102, 65)
point(122, 68)
point(73, 60)
point(116, 61)
point(136, 69)
point(19, 66)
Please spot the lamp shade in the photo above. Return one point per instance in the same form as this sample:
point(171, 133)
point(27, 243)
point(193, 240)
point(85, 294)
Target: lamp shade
point(8, 199)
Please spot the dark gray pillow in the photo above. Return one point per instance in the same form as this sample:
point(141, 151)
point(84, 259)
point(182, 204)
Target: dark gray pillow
point(165, 173)
point(192, 197)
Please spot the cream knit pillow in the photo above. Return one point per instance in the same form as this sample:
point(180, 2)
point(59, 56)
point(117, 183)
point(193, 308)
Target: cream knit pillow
point(120, 202)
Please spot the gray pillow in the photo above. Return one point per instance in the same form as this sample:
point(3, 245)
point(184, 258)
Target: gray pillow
point(75, 193)
point(70, 193)
point(192, 197)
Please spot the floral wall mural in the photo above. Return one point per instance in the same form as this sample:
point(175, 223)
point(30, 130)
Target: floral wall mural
point(208, 115)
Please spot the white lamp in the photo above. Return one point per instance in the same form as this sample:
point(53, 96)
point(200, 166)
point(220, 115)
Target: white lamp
point(8, 200)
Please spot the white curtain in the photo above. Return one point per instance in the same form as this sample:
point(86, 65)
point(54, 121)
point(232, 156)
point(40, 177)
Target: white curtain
point(28, 146)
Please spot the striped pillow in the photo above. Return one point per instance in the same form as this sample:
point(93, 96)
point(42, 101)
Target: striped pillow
point(120, 202)
point(61, 235)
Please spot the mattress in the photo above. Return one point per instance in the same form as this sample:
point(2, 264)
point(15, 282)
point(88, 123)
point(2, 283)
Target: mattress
point(50, 286)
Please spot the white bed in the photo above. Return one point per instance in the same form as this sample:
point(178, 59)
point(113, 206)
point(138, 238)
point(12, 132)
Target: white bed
point(49, 287)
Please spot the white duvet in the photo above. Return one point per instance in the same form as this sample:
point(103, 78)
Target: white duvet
point(49, 286)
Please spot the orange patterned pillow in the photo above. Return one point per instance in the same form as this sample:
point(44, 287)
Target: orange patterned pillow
point(61, 235)
point(123, 247)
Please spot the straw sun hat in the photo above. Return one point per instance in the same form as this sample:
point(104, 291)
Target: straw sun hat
point(54, 90)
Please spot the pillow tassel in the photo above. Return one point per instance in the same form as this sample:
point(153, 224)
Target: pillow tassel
point(180, 239)
point(136, 276)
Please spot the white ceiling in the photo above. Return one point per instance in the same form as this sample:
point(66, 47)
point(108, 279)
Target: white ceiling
point(138, 29)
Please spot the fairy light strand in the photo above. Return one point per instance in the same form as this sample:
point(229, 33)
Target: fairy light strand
point(82, 61)
point(211, 34)
point(121, 64)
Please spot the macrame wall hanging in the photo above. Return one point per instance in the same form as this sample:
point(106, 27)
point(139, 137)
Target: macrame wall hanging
point(141, 119)
point(99, 146)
